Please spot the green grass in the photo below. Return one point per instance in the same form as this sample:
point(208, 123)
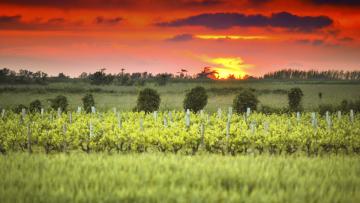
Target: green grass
point(172, 95)
point(176, 178)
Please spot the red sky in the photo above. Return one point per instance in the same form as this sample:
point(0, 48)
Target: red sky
point(232, 36)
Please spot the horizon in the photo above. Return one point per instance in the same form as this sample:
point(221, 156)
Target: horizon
point(252, 37)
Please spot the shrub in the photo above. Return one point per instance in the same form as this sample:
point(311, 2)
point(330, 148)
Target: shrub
point(59, 102)
point(19, 108)
point(88, 102)
point(196, 99)
point(148, 100)
point(35, 106)
point(295, 95)
point(323, 108)
point(244, 100)
point(272, 110)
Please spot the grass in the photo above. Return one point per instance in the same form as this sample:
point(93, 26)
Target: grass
point(175, 178)
point(221, 94)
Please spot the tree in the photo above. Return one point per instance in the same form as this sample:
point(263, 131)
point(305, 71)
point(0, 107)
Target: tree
point(148, 100)
point(196, 99)
point(246, 99)
point(59, 102)
point(88, 102)
point(207, 73)
point(294, 96)
point(35, 106)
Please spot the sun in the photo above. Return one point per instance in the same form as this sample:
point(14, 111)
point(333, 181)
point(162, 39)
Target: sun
point(226, 67)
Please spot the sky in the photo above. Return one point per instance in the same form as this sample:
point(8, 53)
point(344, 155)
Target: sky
point(231, 36)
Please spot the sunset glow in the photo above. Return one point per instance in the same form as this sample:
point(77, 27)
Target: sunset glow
point(226, 67)
point(234, 37)
point(164, 36)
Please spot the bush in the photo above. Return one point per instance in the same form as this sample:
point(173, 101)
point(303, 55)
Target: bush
point(19, 108)
point(148, 101)
point(244, 100)
point(35, 106)
point(88, 102)
point(295, 95)
point(323, 108)
point(346, 106)
point(272, 110)
point(59, 102)
point(196, 99)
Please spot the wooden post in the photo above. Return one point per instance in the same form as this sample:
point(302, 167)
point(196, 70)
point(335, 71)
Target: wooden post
point(93, 110)
point(70, 117)
point(248, 112)
point(202, 132)
point(114, 110)
point(64, 140)
point(3, 113)
point(165, 122)
point(91, 128)
point(266, 127)
point(78, 109)
point(170, 116)
point(352, 116)
point(29, 139)
point(119, 121)
point(339, 115)
point(313, 120)
point(187, 119)
point(155, 115)
point(230, 111)
point(42, 112)
point(219, 113)
point(228, 128)
point(141, 124)
point(252, 128)
point(59, 112)
point(298, 118)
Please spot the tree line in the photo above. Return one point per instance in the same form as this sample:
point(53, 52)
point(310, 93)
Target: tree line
point(289, 74)
point(123, 78)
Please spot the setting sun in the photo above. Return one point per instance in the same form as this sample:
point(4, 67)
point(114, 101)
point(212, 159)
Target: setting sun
point(229, 66)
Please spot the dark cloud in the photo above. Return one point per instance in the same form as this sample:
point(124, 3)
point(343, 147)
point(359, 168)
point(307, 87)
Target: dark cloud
point(15, 23)
point(110, 4)
point(181, 38)
point(228, 20)
point(346, 39)
point(336, 2)
point(107, 21)
point(315, 42)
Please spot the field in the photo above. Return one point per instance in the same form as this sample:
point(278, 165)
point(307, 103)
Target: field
point(176, 156)
point(176, 178)
point(221, 94)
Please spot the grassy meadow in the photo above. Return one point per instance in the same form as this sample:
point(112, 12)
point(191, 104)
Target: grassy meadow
point(176, 178)
point(221, 94)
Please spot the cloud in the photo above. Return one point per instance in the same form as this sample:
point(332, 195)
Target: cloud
point(336, 2)
point(314, 42)
point(107, 21)
point(15, 23)
point(346, 39)
point(112, 4)
point(229, 20)
point(181, 38)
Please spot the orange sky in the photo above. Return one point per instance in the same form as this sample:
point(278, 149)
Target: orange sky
point(235, 36)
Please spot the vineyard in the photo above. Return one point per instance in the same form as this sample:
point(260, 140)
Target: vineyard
point(180, 132)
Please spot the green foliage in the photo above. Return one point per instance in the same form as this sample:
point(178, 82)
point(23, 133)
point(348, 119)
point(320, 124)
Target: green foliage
point(88, 102)
point(271, 110)
point(294, 97)
point(59, 102)
point(35, 106)
point(19, 108)
point(100, 177)
point(347, 105)
point(148, 100)
point(196, 99)
point(244, 100)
